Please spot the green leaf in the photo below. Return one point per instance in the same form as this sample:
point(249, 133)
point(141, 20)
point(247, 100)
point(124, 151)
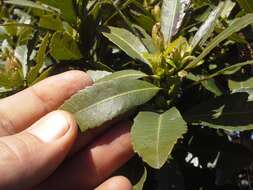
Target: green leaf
point(34, 72)
point(124, 74)
point(172, 15)
point(154, 135)
point(127, 42)
point(146, 40)
point(231, 69)
point(208, 84)
point(235, 85)
point(207, 28)
point(247, 5)
point(143, 20)
point(66, 7)
point(232, 112)
point(237, 25)
point(103, 101)
point(227, 10)
point(21, 53)
point(140, 184)
point(64, 47)
point(51, 22)
point(27, 3)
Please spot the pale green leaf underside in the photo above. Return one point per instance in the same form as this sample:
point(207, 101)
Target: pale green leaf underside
point(102, 102)
point(154, 135)
point(127, 42)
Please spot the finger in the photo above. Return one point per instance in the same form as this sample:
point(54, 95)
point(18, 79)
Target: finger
point(29, 157)
point(92, 166)
point(116, 183)
point(85, 138)
point(23, 109)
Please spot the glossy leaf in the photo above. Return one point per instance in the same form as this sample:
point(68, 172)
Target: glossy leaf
point(237, 25)
point(207, 28)
point(128, 42)
point(64, 47)
point(172, 15)
point(232, 112)
point(154, 135)
point(103, 101)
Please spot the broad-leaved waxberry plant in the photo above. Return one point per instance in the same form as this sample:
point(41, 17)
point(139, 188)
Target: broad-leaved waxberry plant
point(181, 68)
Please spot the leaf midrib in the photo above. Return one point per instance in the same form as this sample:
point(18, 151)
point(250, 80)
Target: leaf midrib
point(158, 139)
point(115, 96)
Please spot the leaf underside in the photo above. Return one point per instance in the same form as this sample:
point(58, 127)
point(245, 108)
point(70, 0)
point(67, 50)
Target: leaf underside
point(102, 102)
point(154, 135)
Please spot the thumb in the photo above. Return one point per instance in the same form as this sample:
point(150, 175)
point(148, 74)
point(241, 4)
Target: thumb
point(31, 156)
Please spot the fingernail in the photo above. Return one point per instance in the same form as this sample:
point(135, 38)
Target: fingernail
point(50, 128)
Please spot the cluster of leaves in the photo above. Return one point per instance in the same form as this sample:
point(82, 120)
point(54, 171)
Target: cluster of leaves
point(181, 64)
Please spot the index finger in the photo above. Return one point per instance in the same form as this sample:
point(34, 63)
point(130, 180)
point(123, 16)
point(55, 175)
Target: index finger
point(21, 110)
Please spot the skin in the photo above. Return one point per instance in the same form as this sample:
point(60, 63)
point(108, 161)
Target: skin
point(41, 148)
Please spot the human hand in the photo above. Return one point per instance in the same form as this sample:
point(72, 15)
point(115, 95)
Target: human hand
point(40, 149)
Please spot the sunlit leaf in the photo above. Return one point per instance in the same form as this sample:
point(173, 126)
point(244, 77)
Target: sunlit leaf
point(237, 25)
point(154, 136)
point(40, 58)
point(172, 15)
point(128, 42)
point(207, 28)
